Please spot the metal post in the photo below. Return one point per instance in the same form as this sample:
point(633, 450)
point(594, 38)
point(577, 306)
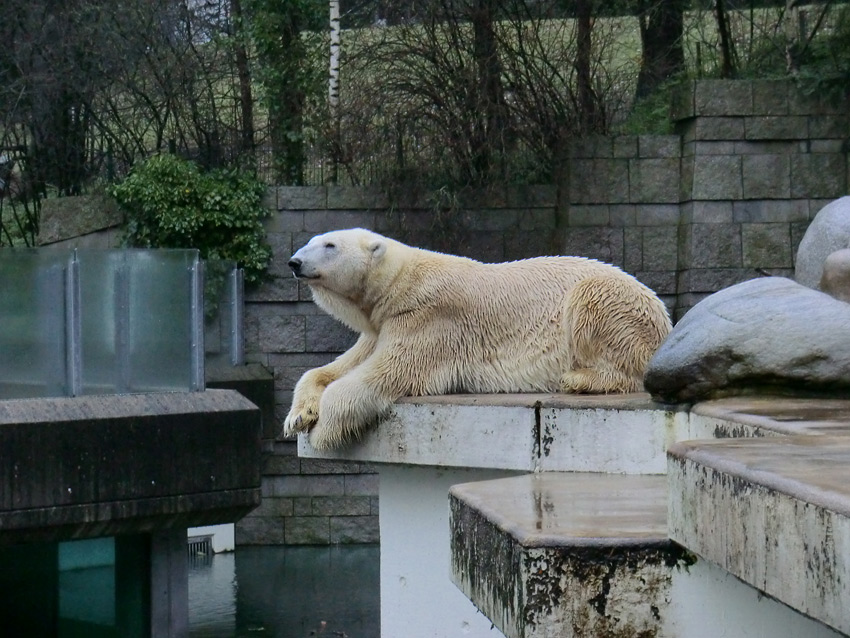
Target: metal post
point(197, 328)
point(122, 325)
point(73, 329)
point(237, 310)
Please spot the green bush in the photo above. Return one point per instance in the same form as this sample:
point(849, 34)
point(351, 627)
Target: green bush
point(171, 203)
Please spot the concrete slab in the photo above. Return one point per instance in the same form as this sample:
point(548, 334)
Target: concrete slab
point(563, 554)
point(120, 464)
point(625, 433)
point(774, 512)
point(772, 416)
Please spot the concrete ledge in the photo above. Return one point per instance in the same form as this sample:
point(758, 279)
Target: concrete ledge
point(771, 416)
point(528, 432)
point(565, 554)
point(89, 466)
point(254, 382)
point(774, 512)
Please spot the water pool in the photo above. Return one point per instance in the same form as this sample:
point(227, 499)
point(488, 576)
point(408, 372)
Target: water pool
point(286, 592)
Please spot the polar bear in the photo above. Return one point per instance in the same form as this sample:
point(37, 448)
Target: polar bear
point(432, 323)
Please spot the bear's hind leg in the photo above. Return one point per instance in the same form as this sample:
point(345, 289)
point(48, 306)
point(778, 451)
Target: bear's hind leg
point(596, 381)
point(607, 334)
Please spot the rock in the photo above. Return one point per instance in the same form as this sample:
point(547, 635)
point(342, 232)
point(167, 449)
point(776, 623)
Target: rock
point(828, 232)
point(768, 335)
point(835, 280)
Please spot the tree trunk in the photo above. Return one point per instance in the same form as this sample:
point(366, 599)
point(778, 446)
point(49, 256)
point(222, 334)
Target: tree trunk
point(589, 116)
point(661, 29)
point(246, 100)
point(488, 150)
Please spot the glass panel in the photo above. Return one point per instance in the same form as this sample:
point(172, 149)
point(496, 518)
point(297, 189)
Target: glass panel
point(32, 323)
point(219, 300)
point(160, 319)
point(101, 273)
point(136, 308)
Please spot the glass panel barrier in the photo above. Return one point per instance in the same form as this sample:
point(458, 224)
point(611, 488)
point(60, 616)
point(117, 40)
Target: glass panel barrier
point(32, 323)
point(223, 308)
point(137, 320)
point(108, 321)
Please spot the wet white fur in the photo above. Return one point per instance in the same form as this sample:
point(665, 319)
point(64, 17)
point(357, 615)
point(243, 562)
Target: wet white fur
point(432, 323)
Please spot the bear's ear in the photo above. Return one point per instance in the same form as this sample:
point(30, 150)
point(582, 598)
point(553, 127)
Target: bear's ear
point(377, 247)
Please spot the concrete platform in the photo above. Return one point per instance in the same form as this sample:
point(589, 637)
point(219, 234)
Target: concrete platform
point(529, 567)
point(774, 512)
point(625, 433)
point(104, 465)
point(558, 554)
point(771, 416)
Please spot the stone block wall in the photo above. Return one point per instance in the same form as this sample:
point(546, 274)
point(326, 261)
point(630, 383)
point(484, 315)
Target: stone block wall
point(759, 160)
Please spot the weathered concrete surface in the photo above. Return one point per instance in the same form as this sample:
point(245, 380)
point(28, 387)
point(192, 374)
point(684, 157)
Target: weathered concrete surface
point(767, 336)
point(738, 417)
point(558, 554)
point(254, 382)
point(601, 433)
point(774, 512)
point(828, 232)
point(105, 465)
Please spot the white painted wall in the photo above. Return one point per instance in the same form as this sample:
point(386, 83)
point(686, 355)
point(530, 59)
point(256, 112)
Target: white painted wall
point(417, 595)
point(708, 602)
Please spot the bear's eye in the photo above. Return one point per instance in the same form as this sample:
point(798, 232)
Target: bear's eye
point(330, 244)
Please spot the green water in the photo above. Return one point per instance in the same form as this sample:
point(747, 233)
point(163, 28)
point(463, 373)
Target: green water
point(286, 592)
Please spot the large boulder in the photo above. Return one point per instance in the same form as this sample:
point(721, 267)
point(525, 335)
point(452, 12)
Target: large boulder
point(828, 232)
point(768, 335)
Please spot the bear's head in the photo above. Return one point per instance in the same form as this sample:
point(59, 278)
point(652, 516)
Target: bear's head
point(340, 261)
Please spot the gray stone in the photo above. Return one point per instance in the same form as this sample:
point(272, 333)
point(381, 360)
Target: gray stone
point(589, 215)
point(770, 97)
point(717, 177)
point(836, 275)
point(659, 251)
point(281, 334)
point(723, 97)
point(718, 128)
point(766, 245)
point(341, 506)
point(307, 530)
point(764, 335)
point(818, 175)
point(828, 232)
point(712, 245)
point(65, 217)
point(776, 127)
point(599, 181)
point(604, 244)
point(326, 334)
point(660, 145)
point(354, 529)
point(277, 288)
point(766, 176)
point(259, 530)
point(302, 198)
point(770, 210)
point(532, 196)
point(626, 146)
point(285, 221)
point(654, 180)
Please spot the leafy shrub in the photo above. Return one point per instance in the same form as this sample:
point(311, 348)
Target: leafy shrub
point(171, 203)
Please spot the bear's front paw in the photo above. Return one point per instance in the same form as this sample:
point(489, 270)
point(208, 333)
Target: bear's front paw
point(324, 438)
point(300, 419)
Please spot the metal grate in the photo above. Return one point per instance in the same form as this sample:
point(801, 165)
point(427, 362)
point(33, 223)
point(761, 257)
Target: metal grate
point(200, 548)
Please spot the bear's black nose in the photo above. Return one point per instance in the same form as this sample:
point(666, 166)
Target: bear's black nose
point(295, 265)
